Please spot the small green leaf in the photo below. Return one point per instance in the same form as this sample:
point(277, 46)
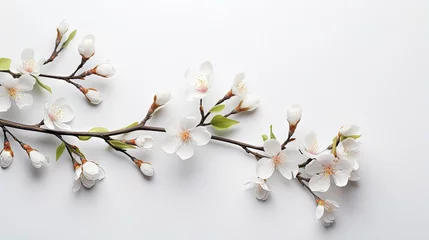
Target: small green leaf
point(272, 136)
point(96, 129)
point(60, 150)
point(220, 122)
point(71, 36)
point(264, 137)
point(131, 125)
point(119, 144)
point(5, 63)
point(217, 108)
point(44, 86)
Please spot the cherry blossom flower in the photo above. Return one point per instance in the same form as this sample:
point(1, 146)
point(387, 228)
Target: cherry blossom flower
point(248, 104)
point(351, 131)
point(16, 89)
point(185, 134)
point(348, 149)
point(200, 82)
point(87, 174)
point(310, 147)
point(262, 190)
point(57, 114)
point(86, 47)
point(239, 87)
point(29, 65)
point(325, 166)
point(285, 161)
point(325, 210)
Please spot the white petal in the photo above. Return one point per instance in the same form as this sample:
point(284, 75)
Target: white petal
point(195, 94)
point(341, 178)
point(288, 169)
point(326, 158)
point(320, 209)
point(77, 173)
point(4, 99)
point(91, 171)
point(8, 81)
point(333, 203)
point(102, 174)
point(173, 127)
point(311, 145)
point(249, 185)
point(293, 155)
point(206, 68)
point(265, 186)
point(87, 183)
point(76, 185)
point(201, 136)
point(48, 123)
point(172, 145)
point(314, 167)
point(320, 183)
point(25, 83)
point(185, 151)
point(265, 168)
point(354, 176)
point(272, 147)
point(27, 54)
point(188, 123)
point(64, 113)
point(62, 126)
point(345, 165)
point(350, 144)
point(261, 194)
point(23, 99)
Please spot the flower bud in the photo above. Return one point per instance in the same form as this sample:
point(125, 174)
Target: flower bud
point(162, 98)
point(351, 131)
point(294, 113)
point(248, 104)
point(144, 142)
point(86, 47)
point(63, 27)
point(90, 170)
point(92, 94)
point(147, 169)
point(37, 159)
point(6, 155)
point(105, 70)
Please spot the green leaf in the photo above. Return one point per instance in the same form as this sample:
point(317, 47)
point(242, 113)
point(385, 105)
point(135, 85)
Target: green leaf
point(96, 129)
point(272, 136)
point(5, 63)
point(44, 86)
point(264, 137)
point(60, 150)
point(220, 122)
point(119, 144)
point(71, 36)
point(131, 125)
point(217, 108)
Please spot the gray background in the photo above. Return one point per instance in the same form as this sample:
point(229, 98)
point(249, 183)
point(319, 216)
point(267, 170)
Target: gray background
point(362, 62)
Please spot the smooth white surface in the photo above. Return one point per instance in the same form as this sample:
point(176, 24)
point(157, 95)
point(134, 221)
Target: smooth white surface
point(362, 62)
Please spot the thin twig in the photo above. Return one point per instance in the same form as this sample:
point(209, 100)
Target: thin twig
point(302, 165)
point(301, 180)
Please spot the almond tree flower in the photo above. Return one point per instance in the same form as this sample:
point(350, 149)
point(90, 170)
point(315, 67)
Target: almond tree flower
point(16, 89)
point(145, 167)
point(201, 82)
point(6, 155)
point(325, 210)
point(285, 161)
point(105, 70)
point(29, 65)
point(62, 28)
point(87, 174)
point(57, 114)
point(86, 47)
point(325, 166)
point(352, 131)
point(348, 149)
point(185, 134)
point(145, 142)
point(310, 147)
point(92, 95)
point(262, 190)
point(239, 87)
point(37, 159)
point(248, 104)
point(294, 113)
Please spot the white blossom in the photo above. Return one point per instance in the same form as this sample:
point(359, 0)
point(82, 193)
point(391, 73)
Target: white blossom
point(200, 83)
point(6, 157)
point(38, 159)
point(351, 131)
point(87, 174)
point(162, 98)
point(92, 95)
point(349, 149)
point(147, 169)
point(326, 166)
point(262, 190)
point(105, 70)
point(16, 89)
point(184, 134)
point(239, 87)
point(63, 27)
point(285, 161)
point(145, 142)
point(294, 113)
point(86, 47)
point(325, 210)
point(310, 146)
point(57, 114)
point(248, 104)
point(29, 64)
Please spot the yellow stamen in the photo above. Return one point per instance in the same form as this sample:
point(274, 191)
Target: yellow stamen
point(185, 135)
point(329, 170)
point(12, 92)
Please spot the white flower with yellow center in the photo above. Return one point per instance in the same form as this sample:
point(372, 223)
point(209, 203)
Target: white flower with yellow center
point(326, 166)
point(310, 147)
point(325, 210)
point(185, 134)
point(348, 149)
point(16, 88)
point(57, 114)
point(262, 190)
point(29, 65)
point(200, 82)
point(285, 161)
point(239, 86)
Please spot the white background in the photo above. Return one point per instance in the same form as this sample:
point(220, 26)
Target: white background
point(362, 62)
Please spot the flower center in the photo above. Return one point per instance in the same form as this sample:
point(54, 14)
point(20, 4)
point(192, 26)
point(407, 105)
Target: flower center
point(277, 160)
point(241, 87)
point(29, 65)
point(185, 135)
point(12, 92)
point(53, 117)
point(201, 84)
point(329, 170)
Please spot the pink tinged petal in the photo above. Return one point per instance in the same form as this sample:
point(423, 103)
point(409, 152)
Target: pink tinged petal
point(354, 176)
point(23, 100)
point(48, 123)
point(185, 151)
point(62, 126)
point(265, 168)
point(320, 209)
point(206, 68)
point(77, 185)
point(201, 136)
point(341, 178)
point(311, 145)
point(4, 99)
point(25, 83)
point(188, 123)
point(27, 54)
point(320, 183)
point(172, 145)
point(195, 94)
point(173, 127)
point(288, 169)
point(314, 167)
point(272, 147)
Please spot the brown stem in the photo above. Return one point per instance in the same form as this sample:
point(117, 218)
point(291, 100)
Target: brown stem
point(301, 180)
point(204, 117)
point(201, 110)
point(302, 165)
point(82, 62)
point(257, 155)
